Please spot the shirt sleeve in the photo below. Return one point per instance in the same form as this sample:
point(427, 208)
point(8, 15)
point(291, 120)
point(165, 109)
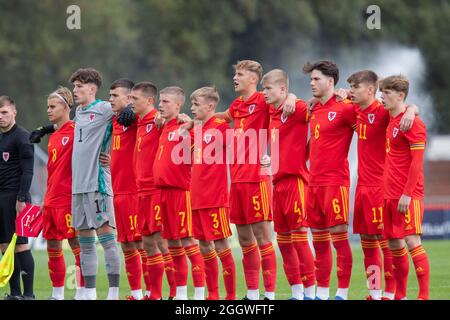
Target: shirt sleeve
point(301, 112)
point(26, 160)
point(417, 139)
point(350, 114)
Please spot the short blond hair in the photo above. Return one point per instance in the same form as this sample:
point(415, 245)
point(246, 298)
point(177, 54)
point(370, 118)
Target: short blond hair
point(251, 66)
point(64, 93)
point(276, 76)
point(176, 91)
point(397, 83)
point(208, 93)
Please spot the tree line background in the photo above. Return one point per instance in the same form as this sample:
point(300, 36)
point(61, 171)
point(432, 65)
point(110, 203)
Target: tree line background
point(192, 43)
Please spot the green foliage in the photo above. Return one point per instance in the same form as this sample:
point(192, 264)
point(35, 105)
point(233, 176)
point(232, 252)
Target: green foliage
point(194, 43)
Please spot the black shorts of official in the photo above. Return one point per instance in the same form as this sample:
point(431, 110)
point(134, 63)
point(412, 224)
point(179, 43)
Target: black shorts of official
point(8, 218)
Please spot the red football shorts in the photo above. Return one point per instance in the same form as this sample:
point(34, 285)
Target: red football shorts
point(150, 213)
point(397, 225)
point(176, 213)
point(211, 224)
point(127, 218)
point(289, 204)
point(57, 223)
point(250, 202)
point(327, 206)
point(368, 211)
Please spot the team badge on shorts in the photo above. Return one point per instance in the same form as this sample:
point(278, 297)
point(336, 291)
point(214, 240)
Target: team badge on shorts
point(64, 140)
point(251, 108)
point(207, 138)
point(91, 117)
point(371, 117)
point(395, 132)
point(6, 156)
point(284, 118)
point(149, 127)
point(331, 115)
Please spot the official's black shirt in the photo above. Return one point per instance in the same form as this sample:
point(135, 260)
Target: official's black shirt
point(16, 161)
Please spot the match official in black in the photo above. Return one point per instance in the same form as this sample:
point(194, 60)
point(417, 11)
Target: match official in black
point(16, 173)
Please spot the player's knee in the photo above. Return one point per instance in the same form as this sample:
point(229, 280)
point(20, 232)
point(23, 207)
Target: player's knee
point(395, 244)
point(128, 246)
point(189, 241)
point(150, 246)
point(54, 245)
point(73, 243)
point(221, 245)
point(413, 241)
point(339, 228)
point(206, 246)
point(21, 248)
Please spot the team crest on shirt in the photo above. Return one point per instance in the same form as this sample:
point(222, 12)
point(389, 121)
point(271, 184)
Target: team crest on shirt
point(124, 128)
point(284, 118)
point(371, 117)
point(395, 132)
point(171, 136)
point(251, 108)
point(91, 117)
point(64, 140)
point(149, 127)
point(6, 156)
point(331, 115)
point(207, 138)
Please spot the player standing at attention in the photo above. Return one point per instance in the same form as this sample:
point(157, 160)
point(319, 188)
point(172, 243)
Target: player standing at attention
point(371, 124)
point(404, 189)
point(158, 258)
point(250, 193)
point(172, 174)
point(290, 180)
point(210, 205)
point(92, 203)
point(16, 173)
point(125, 189)
point(332, 125)
point(57, 211)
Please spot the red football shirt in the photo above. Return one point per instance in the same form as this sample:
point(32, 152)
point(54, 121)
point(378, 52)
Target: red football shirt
point(122, 173)
point(172, 166)
point(250, 116)
point(332, 126)
point(147, 141)
point(292, 139)
point(371, 125)
point(404, 159)
point(59, 167)
point(209, 182)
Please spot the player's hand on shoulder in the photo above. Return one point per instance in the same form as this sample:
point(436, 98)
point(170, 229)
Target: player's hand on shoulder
point(105, 159)
point(341, 94)
point(159, 120)
point(187, 122)
point(37, 134)
point(408, 117)
point(289, 105)
point(126, 117)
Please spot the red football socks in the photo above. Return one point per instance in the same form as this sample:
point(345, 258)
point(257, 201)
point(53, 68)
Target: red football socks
point(56, 267)
point(324, 258)
point(291, 264)
point(305, 257)
point(229, 273)
point(269, 266)
point(133, 268)
point(422, 266)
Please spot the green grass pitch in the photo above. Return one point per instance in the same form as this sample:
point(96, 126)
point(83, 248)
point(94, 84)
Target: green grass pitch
point(438, 253)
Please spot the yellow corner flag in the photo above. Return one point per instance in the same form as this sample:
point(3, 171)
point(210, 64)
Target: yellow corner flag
point(7, 262)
